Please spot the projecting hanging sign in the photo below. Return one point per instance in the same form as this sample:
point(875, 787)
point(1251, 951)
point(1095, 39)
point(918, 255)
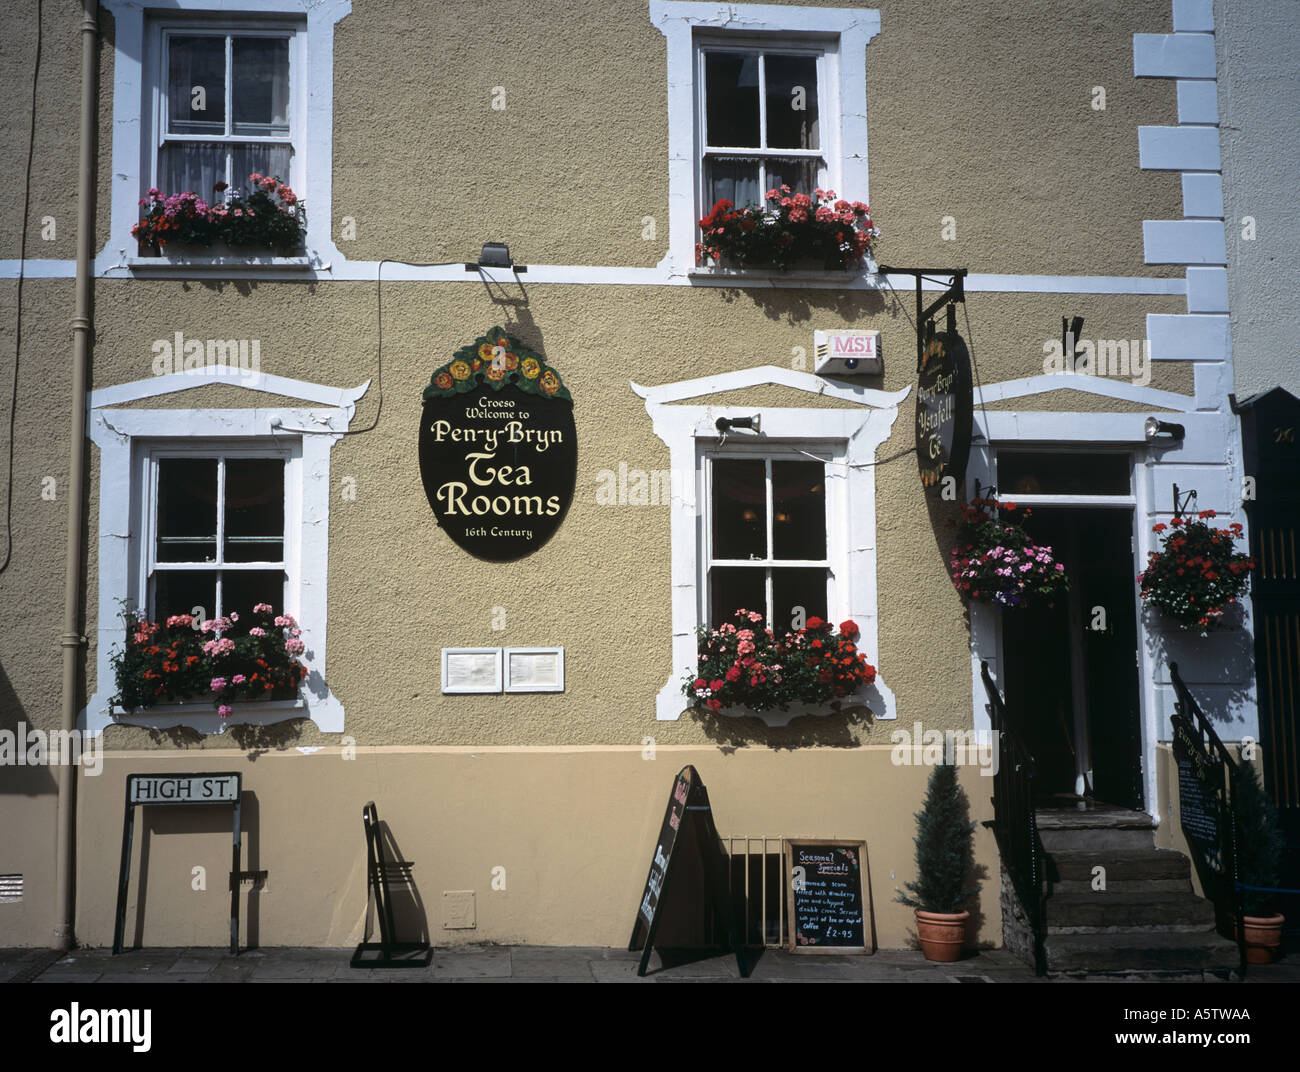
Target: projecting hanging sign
point(944, 404)
point(498, 448)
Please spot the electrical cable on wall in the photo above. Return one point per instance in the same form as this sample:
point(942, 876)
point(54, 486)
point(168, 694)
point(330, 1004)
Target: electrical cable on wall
point(379, 348)
point(18, 301)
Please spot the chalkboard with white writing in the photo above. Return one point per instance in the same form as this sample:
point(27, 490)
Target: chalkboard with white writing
point(826, 899)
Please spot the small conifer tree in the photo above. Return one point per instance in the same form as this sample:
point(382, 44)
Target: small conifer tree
point(1259, 840)
point(943, 847)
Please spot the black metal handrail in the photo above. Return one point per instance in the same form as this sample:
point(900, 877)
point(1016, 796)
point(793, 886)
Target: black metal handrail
point(1015, 823)
point(1214, 769)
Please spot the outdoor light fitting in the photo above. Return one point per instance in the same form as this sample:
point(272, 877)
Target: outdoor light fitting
point(726, 424)
point(495, 255)
point(1156, 427)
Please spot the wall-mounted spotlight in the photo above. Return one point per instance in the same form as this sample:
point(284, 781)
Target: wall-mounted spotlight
point(726, 424)
point(1156, 427)
point(495, 255)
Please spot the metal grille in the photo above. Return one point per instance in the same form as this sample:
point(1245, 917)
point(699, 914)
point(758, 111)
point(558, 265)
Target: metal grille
point(755, 870)
point(1279, 674)
point(1277, 553)
point(11, 888)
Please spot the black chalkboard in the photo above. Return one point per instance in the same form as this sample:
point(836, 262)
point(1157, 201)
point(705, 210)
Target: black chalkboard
point(688, 803)
point(826, 899)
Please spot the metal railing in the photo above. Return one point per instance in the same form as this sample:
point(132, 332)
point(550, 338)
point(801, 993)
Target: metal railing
point(1014, 821)
point(1209, 826)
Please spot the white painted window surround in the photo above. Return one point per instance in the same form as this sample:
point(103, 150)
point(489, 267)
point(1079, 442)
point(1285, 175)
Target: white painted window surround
point(136, 73)
point(843, 32)
point(126, 436)
point(851, 435)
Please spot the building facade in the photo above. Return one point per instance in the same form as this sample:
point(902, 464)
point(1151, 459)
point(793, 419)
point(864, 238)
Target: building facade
point(253, 427)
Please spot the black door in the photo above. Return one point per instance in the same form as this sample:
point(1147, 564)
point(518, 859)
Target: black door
point(1082, 651)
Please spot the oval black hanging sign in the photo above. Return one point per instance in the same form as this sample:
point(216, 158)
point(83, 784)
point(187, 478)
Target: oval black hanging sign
point(498, 448)
point(944, 404)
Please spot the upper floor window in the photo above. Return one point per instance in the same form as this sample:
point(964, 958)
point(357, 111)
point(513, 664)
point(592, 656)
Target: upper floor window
point(226, 107)
point(761, 123)
point(760, 96)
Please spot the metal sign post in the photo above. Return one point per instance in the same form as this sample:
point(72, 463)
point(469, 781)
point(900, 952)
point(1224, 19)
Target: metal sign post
point(172, 790)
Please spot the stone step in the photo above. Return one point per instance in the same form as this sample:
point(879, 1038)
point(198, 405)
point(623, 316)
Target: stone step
point(1110, 912)
point(1123, 866)
point(1080, 839)
point(1156, 951)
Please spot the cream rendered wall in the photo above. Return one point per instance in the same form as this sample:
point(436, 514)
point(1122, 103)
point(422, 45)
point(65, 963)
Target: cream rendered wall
point(1258, 53)
point(976, 113)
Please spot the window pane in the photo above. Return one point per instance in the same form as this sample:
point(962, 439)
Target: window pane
point(254, 530)
point(192, 166)
point(731, 98)
point(262, 159)
point(734, 178)
point(798, 510)
point(260, 86)
point(791, 102)
point(739, 508)
point(799, 174)
point(1028, 473)
point(733, 588)
point(196, 85)
point(187, 510)
point(793, 588)
point(180, 591)
point(242, 590)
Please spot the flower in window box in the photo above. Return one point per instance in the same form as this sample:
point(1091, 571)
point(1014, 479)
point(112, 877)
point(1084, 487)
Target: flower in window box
point(740, 666)
point(790, 228)
point(269, 217)
point(176, 662)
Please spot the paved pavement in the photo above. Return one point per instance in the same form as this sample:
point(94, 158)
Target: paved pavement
point(534, 964)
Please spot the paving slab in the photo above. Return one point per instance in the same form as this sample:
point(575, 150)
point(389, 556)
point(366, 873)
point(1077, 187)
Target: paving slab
point(472, 964)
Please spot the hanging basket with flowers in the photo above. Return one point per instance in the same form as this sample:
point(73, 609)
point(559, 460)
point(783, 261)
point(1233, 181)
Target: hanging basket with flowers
point(790, 228)
point(1197, 574)
point(995, 560)
point(184, 659)
point(743, 664)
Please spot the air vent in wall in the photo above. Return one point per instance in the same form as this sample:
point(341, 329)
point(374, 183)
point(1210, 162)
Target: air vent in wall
point(11, 888)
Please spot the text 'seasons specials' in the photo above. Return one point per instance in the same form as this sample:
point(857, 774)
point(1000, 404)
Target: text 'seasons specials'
point(498, 450)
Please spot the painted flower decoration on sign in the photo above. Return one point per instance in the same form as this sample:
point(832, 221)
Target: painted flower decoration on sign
point(494, 359)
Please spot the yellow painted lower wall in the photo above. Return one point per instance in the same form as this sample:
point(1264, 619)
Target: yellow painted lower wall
point(574, 829)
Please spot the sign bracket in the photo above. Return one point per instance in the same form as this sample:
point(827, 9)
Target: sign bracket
point(956, 292)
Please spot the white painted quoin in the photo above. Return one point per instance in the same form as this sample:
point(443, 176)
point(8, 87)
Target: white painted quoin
point(849, 437)
point(304, 436)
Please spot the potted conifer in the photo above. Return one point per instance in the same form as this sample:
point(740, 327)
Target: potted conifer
point(943, 862)
point(1259, 858)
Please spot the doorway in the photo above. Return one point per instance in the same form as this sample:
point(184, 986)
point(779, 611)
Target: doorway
point(1071, 670)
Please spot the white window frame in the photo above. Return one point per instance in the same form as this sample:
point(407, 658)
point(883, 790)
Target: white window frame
point(827, 54)
point(841, 33)
point(127, 440)
point(830, 454)
point(151, 452)
point(159, 33)
point(690, 433)
point(138, 81)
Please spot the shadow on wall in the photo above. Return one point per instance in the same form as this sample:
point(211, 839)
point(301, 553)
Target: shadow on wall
point(837, 730)
point(1217, 668)
point(201, 819)
point(797, 306)
point(15, 779)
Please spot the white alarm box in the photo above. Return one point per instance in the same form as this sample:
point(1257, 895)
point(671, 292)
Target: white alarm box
point(847, 352)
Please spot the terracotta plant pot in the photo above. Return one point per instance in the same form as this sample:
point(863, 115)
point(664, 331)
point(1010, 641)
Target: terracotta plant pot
point(1263, 937)
point(942, 934)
